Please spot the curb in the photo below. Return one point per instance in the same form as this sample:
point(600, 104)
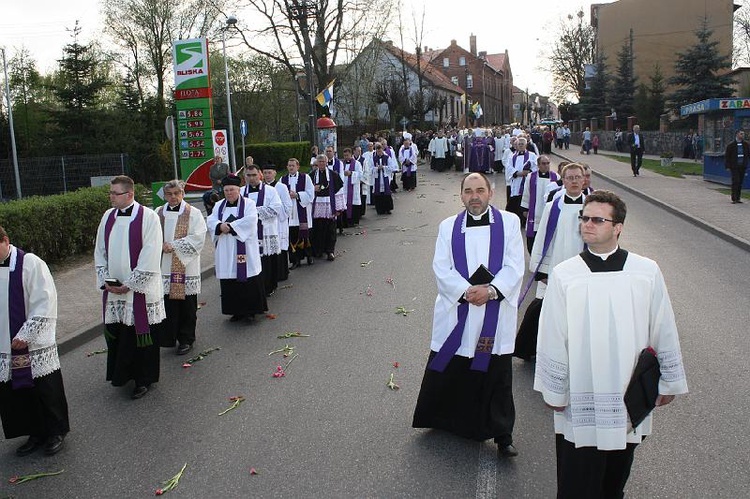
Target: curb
point(87, 333)
point(721, 233)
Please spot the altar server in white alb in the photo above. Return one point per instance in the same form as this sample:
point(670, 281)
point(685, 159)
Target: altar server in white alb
point(233, 226)
point(468, 383)
point(127, 257)
point(534, 197)
point(602, 308)
point(184, 237)
point(407, 157)
point(32, 395)
point(269, 207)
point(302, 192)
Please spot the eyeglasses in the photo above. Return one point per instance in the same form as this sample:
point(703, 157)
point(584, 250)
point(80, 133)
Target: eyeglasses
point(113, 193)
point(594, 220)
point(574, 178)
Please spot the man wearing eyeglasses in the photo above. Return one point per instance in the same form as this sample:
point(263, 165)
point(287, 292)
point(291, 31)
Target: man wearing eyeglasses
point(558, 239)
point(602, 308)
point(127, 257)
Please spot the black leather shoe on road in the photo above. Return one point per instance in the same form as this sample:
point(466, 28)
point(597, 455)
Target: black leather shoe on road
point(506, 451)
point(139, 392)
point(183, 349)
point(310, 260)
point(30, 446)
point(54, 444)
point(331, 257)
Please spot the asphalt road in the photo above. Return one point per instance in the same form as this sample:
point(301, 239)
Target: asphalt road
point(332, 428)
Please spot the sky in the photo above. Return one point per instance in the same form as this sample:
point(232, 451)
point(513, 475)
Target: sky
point(43, 27)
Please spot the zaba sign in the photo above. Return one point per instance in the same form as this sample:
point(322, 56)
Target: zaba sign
point(191, 64)
point(734, 104)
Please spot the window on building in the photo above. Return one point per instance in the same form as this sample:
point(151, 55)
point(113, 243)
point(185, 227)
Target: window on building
point(446, 62)
point(454, 80)
point(462, 61)
point(469, 81)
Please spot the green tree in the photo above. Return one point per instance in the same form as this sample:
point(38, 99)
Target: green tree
point(642, 107)
point(624, 82)
point(700, 71)
point(30, 103)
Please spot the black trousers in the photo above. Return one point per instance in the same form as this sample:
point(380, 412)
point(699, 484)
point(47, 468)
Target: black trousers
point(323, 236)
point(530, 242)
point(590, 473)
point(636, 158)
point(126, 360)
point(514, 206)
point(182, 317)
point(40, 411)
point(299, 249)
point(738, 175)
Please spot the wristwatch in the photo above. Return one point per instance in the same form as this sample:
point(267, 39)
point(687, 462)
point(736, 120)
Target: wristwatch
point(492, 292)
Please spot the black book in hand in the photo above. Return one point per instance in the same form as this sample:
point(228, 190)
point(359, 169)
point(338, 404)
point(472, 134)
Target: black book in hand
point(643, 389)
point(231, 218)
point(481, 276)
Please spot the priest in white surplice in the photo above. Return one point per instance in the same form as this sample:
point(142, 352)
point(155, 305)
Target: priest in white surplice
point(350, 171)
point(439, 152)
point(184, 237)
point(520, 166)
point(269, 207)
point(558, 239)
point(602, 308)
point(302, 193)
point(127, 257)
point(233, 226)
point(478, 264)
point(534, 197)
point(32, 395)
point(270, 171)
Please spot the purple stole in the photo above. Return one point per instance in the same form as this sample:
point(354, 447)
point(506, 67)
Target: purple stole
point(525, 160)
point(408, 171)
point(349, 185)
point(492, 309)
point(530, 229)
point(331, 190)
point(135, 241)
point(554, 217)
point(20, 361)
point(301, 212)
point(259, 202)
point(378, 189)
point(241, 251)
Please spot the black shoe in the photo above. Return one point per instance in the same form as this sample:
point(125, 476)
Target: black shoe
point(506, 451)
point(310, 260)
point(294, 266)
point(139, 392)
point(236, 317)
point(184, 348)
point(54, 444)
point(331, 257)
point(30, 446)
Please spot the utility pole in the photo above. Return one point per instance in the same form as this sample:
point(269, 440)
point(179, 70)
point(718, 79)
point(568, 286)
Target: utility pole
point(12, 130)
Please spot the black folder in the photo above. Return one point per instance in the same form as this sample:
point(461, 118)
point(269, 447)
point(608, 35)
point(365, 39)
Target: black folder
point(643, 389)
point(481, 276)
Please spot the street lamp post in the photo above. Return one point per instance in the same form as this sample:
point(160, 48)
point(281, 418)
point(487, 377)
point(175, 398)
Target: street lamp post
point(12, 130)
point(231, 22)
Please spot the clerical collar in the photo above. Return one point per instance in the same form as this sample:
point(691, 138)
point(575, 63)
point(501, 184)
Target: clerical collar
point(603, 256)
point(250, 188)
point(6, 261)
point(570, 200)
point(176, 207)
point(611, 262)
point(231, 204)
point(478, 220)
point(543, 174)
point(126, 212)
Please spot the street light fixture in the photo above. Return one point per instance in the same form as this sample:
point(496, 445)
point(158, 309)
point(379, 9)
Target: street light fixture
point(231, 22)
point(12, 130)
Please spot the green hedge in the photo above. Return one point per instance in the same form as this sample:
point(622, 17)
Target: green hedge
point(276, 152)
point(57, 227)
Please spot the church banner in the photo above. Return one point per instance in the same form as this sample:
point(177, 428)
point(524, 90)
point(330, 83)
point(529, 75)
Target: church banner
point(194, 104)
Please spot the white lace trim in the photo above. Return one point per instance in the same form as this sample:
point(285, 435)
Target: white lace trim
point(670, 364)
point(599, 410)
point(184, 248)
point(120, 311)
point(554, 375)
point(44, 361)
point(142, 282)
point(271, 245)
point(192, 284)
point(266, 213)
point(101, 274)
point(38, 330)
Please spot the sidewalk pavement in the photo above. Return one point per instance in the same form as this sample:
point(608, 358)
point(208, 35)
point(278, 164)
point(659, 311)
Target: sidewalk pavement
point(691, 198)
point(79, 302)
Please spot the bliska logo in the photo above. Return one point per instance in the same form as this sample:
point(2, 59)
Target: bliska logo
point(190, 59)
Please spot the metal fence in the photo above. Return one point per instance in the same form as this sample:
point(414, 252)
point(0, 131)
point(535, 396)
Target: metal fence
point(58, 174)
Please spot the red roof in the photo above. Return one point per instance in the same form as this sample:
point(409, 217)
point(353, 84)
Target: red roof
point(498, 61)
point(430, 73)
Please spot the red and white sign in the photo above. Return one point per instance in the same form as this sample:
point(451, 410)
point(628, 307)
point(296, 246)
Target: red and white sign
point(220, 144)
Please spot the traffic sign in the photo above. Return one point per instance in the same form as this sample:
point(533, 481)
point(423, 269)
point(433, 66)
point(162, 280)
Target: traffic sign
point(243, 128)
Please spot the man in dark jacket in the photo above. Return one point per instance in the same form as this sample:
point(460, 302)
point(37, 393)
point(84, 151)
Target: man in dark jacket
point(736, 159)
point(635, 139)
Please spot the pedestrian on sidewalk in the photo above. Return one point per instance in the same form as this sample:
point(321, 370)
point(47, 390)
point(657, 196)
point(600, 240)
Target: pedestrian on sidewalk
point(184, 235)
point(603, 309)
point(127, 257)
point(586, 146)
point(637, 148)
point(736, 157)
point(595, 144)
point(32, 395)
point(467, 387)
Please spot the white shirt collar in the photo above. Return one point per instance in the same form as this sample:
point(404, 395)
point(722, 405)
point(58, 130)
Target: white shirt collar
point(604, 256)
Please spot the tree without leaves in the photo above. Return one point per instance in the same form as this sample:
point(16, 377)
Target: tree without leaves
point(594, 100)
point(572, 50)
point(741, 53)
point(700, 71)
